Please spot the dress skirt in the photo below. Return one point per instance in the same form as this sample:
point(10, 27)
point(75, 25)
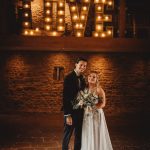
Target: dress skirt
point(95, 135)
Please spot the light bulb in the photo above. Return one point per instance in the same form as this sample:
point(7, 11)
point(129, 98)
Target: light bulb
point(47, 11)
point(96, 34)
point(47, 4)
point(26, 14)
point(26, 6)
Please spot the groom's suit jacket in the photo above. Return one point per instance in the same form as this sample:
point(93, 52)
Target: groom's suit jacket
point(72, 86)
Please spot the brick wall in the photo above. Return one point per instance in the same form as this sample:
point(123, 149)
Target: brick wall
point(27, 84)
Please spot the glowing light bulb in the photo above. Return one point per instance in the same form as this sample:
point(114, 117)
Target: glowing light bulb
point(47, 11)
point(110, 3)
point(81, 25)
point(78, 34)
point(106, 17)
point(61, 12)
point(77, 25)
point(54, 33)
point(31, 32)
point(47, 4)
point(60, 28)
point(99, 8)
point(26, 23)
point(26, 14)
point(84, 8)
point(26, 32)
point(47, 27)
point(109, 32)
point(75, 17)
point(103, 1)
point(99, 18)
point(97, 1)
point(61, 4)
point(73, 8)
point(82, 17)
point(37, 29)
point(26, 6)
point(99, 27)
point(103, 35)
point(60, 20)
point(96, 34)
point(47, 19)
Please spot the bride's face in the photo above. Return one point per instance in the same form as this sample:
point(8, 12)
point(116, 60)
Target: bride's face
point(92, 78)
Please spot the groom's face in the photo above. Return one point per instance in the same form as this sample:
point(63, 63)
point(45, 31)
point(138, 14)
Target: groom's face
point(81, 66)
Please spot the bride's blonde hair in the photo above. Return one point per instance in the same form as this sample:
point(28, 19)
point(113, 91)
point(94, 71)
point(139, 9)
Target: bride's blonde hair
point(97, 76)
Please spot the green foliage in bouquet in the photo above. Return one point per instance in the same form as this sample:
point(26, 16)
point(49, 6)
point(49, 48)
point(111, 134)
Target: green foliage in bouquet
point(84, 99)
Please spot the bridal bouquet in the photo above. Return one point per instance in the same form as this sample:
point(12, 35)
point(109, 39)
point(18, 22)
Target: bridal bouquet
point(85, 99)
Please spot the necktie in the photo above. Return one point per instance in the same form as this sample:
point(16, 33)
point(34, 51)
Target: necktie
point(79, 82)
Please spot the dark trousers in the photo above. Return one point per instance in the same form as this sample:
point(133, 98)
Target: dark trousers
point(77, 117)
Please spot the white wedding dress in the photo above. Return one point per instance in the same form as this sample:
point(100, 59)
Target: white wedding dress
point(95, 135)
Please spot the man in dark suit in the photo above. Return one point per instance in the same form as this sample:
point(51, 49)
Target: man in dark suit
point(73, 83)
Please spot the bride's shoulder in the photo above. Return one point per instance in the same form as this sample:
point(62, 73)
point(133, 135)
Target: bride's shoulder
point(100, 89)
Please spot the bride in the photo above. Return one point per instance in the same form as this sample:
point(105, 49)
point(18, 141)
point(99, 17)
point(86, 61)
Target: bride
point(95, 135)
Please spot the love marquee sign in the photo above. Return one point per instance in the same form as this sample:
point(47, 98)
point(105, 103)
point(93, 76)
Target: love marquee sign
point(79, 12)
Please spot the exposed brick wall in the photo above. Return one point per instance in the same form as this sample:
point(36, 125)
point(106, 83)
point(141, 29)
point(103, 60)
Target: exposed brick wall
point(27, 85)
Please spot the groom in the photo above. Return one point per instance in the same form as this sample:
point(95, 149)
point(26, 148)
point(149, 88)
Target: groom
point(73, 83)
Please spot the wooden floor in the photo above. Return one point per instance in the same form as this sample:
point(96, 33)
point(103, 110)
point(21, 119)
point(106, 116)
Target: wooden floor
point(41, 131)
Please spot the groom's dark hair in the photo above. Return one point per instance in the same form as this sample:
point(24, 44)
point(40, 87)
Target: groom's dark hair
point(80, 59)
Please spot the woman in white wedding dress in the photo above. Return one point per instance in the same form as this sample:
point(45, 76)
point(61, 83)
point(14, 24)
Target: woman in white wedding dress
point(95, 135)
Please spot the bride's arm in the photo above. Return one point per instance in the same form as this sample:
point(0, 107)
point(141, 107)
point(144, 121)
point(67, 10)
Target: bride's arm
point(101, 93)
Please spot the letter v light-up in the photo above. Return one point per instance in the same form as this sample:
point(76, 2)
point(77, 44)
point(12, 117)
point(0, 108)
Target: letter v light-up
point(79, 17)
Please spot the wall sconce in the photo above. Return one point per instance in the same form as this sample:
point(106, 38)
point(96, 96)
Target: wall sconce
point(58, 73)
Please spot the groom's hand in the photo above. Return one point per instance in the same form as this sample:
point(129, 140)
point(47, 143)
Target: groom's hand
point(69, 120)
